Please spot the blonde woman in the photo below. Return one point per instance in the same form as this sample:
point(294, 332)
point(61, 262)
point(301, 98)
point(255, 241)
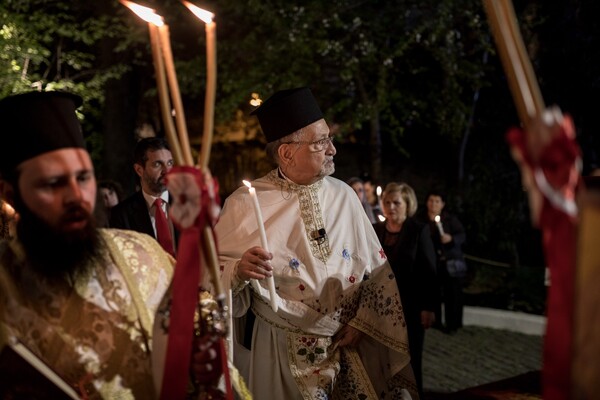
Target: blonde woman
point(408, 247)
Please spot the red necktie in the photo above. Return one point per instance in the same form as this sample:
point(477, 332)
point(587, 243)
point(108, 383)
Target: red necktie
point(163, 233)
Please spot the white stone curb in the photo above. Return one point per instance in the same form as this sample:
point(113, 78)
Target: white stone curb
point(529, 324)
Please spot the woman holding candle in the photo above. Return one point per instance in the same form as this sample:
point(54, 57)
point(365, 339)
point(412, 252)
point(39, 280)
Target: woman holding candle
point(448, 236)
point(408, 248)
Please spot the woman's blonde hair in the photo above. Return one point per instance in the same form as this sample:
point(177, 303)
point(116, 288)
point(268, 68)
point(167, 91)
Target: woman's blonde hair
point(406, 192)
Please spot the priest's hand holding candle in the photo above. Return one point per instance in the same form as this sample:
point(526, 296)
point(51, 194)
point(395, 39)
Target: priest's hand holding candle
point(264, 244)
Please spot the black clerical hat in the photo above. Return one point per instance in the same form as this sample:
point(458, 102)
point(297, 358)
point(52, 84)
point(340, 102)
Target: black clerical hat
point(287, 111)
point(35, 123)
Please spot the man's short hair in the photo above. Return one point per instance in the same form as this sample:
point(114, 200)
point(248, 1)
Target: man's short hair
point(272, 148)
point(143, 146)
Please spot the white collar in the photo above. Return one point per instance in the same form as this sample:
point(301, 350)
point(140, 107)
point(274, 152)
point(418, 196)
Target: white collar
point(151, 199)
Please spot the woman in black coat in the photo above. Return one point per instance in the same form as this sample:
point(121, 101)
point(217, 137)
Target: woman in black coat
point(448, 235)
point(408, 247)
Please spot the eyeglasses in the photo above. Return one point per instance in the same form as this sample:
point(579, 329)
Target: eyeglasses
point(317, 145)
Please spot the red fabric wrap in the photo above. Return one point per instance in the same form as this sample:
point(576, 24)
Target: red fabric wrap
point(186, 278)
point(559, 231)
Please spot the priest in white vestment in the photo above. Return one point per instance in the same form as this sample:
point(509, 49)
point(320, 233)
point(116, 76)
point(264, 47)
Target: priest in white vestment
point(339, 330)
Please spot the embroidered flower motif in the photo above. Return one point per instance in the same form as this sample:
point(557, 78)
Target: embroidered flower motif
point(351, 278)
point(346, 254)
point(294, 264)
point(311, 350)
point(382, 254)
point(301, 287)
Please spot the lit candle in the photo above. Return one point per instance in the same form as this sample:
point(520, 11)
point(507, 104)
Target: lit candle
point(165, 45)
point(263, 240)
point(378, 191)
point(438, 223)
point(211, 79)
point(154, 21)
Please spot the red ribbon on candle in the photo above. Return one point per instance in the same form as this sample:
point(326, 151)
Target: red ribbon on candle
point(185, 299)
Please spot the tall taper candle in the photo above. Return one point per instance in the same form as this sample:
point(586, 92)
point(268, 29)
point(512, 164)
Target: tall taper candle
point(263, 241)
point(163, 95)
point(165, 45)
point(211, 88)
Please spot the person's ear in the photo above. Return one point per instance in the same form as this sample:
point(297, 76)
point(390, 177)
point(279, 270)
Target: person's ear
point(285, 154)
point(139, 169)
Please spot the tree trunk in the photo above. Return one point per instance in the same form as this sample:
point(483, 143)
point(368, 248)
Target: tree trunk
point(119, 124)
point(375, 144)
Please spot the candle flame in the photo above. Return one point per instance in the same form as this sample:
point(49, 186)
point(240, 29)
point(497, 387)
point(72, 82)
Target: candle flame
point(201, 13)
point(247, 183)
point(256, 100)
point(381, 218)
point(379, 190)
point(436, 218)
point(145, 13)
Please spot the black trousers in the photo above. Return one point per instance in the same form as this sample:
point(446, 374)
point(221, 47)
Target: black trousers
point(452, 298)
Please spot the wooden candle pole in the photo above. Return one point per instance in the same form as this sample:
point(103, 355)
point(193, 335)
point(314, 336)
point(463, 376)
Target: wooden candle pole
point(511, 22)
point(516, 63)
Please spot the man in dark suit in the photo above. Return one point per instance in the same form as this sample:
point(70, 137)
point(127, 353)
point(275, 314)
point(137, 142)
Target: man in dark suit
point(146, 210)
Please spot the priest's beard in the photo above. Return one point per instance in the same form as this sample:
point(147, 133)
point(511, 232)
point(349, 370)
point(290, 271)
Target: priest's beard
point(53, 252)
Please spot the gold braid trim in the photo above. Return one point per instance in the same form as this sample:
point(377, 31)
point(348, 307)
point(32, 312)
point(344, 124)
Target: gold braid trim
point(114, 241)
point(238, 383)
point(310, 211)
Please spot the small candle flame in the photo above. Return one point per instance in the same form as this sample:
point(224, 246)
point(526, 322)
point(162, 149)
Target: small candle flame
point(247, 183)
point(436, 218)
point(378, 190)
point(381, 218)
point(145, 13)
point(201, 13)
point(256, 100)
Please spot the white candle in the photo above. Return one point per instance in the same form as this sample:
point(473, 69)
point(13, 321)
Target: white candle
point(211, 79)
point(438, 222)
point(263, 241)
point(378, 191)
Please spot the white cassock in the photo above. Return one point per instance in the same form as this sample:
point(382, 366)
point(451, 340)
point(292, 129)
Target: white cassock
point(324, 281)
